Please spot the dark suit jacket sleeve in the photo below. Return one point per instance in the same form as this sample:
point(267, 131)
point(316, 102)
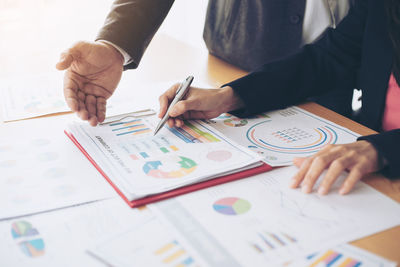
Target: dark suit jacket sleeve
point(131, 24)
point(329, 64)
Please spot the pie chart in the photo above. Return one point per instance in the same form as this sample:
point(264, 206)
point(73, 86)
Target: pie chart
point(170, 167)
point(28, 239)
point(232, 206)
point(235, 122)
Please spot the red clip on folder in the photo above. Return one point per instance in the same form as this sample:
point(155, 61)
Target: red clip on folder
point(175, 192)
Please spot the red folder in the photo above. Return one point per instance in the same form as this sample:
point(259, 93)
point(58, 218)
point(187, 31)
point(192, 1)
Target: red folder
point(178, 191)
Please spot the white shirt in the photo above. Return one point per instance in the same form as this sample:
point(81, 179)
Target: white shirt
point(321, 14)
point(318, 16)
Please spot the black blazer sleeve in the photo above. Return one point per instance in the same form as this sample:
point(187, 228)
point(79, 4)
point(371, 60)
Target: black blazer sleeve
point(329, 64)
point(131, 24)
point(388, 146)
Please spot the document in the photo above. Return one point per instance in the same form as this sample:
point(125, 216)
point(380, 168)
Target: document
point(261, 222)
point(41, 170)
point(281, 135)
point(61, 238)
point(32, 96)
point(150, 243)
point(153, 242)
point(141, 164)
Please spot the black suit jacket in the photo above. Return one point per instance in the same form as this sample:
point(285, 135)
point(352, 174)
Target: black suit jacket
point(357, 54)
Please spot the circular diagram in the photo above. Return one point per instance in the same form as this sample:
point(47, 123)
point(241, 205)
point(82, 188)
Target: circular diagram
point(232, 206)
point(235, 122)
point(170, 167)
point(294, 140)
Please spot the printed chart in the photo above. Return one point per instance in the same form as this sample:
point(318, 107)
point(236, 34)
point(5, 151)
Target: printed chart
point(28, 239)
point(232, 206)
point(343, 256)
point(262, 222)
point(170, 167)
point(130, 127)
point(189, 133)
point(144, 164)
point(269, 135)
point(267, 241)
point(32, 96)
point(134, 245)
point(173, 252)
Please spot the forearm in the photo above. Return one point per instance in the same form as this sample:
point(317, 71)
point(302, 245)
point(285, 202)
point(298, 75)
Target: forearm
point(131, 24)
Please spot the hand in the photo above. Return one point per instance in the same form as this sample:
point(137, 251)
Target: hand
point(359, 158)
point(198, 104)
point(94, 70)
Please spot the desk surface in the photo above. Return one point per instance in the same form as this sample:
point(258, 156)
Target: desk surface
point(169, 59)
point(187, 60)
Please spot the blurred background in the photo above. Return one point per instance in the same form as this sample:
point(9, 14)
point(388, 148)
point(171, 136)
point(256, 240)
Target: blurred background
point(34, 32)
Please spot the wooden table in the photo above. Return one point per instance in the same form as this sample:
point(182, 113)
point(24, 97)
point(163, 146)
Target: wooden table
point(174, 60)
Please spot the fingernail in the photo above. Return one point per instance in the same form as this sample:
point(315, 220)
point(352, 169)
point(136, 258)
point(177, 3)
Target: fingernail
point(305, 188)
point(342, 191)
point(322, 191)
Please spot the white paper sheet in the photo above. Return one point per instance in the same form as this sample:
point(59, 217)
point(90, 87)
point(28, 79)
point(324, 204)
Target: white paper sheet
point(260, 221)
point(281, 135)
point(32, 96)
point(61, 238)
point(154, 243)
point(343, 256)
point(150, 243)
point(42, 170)
point(141, 164)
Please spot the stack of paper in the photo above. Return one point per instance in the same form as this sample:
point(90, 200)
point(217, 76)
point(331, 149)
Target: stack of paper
point(140, 164)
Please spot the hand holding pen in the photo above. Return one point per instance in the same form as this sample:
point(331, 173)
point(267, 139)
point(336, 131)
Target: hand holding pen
point(197, 103)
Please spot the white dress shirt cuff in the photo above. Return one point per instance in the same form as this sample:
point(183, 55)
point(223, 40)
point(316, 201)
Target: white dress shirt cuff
point(125, 55)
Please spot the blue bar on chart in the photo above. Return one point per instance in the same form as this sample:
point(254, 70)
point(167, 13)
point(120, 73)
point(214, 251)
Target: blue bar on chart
point(132, 127)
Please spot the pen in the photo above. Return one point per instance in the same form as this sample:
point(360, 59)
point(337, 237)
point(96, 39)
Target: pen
point(180, 93)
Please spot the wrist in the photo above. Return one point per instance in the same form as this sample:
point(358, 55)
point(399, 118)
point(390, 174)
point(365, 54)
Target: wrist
point(229, 99)
point(117, 54)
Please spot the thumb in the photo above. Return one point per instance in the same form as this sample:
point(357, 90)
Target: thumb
point(65, 61)
point(183, 106)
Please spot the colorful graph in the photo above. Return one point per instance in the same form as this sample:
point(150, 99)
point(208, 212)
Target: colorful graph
point(189, 133)
point(170, 167)
point(131, 127)
point(22, 229)
point(173, 253)
point(219, 155)
point(31, 244)
point(232, 206)
point(235, 122)
point(267, 241)
point(332, 258)
point(292, 140)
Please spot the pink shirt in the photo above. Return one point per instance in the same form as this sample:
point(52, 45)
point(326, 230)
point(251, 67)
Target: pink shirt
point(391, 116)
